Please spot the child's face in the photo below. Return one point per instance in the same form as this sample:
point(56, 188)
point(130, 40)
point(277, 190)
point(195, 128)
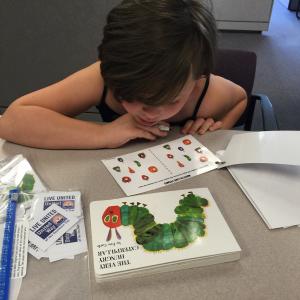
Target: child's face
point(150, 115)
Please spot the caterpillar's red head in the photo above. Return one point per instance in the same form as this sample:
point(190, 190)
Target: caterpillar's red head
point(112, 217)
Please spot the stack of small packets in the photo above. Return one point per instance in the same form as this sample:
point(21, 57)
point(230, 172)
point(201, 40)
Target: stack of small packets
point(56, 228)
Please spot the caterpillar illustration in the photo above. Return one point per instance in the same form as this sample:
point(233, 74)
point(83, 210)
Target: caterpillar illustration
point(188, 226)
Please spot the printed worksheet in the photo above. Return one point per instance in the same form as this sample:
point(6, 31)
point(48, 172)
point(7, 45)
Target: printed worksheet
point(161, 165)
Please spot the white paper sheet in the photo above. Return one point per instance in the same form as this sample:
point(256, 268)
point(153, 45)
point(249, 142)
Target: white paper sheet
point(273, 190)
point(269, 147)
point(266, 165)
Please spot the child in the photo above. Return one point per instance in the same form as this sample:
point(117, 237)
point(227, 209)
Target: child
point(154, 68)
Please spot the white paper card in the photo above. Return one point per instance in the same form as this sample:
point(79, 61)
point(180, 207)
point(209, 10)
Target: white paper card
point(35, 251)
point(72, 242)
point(19, 256)
point(47, 227)
point(69, 201)
point(270, 147)
point(273, 190)
point(161, 165)
point(19, 264)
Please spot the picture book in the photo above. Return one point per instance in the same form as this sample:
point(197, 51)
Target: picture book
point(159, 232)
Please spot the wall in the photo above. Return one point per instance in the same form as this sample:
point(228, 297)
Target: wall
point(45, 41)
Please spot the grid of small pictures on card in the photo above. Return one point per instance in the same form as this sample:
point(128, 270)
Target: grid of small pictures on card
point(161, 165)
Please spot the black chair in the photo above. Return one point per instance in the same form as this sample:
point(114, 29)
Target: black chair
point(239, 66)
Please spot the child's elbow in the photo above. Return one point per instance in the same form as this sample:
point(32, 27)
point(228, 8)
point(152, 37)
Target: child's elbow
point(3, 127)
point(11, 110)
point(242, 99)
point(7, 120)
point(242, 94)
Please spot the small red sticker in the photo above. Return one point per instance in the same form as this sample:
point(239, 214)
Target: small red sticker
point(126, 179)
point(203, 158)
point(131, 170)
point(152, 169)
point(187, 142)
point(145, 177)
point(181, 165)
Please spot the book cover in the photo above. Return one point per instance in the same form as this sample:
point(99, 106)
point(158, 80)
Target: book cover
point(159, 232)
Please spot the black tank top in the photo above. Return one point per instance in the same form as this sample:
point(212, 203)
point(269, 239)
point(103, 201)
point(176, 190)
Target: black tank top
point(108, 115)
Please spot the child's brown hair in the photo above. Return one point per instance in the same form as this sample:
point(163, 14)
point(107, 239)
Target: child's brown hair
point(150, 48)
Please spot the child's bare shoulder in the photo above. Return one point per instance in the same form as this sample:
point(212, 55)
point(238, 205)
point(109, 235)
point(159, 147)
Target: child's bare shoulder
point(221, 86)
point(221, 96)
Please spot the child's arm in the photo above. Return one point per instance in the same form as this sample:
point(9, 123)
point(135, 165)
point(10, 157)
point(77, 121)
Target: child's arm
point(43, 118)
point(223, 105)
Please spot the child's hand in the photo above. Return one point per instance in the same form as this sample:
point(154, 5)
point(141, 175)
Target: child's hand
point(125, 128)
point(200, 126)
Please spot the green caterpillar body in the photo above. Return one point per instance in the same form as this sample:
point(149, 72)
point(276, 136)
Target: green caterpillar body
point(188, 226)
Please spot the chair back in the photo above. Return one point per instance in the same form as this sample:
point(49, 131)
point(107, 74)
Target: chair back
point(238, 66)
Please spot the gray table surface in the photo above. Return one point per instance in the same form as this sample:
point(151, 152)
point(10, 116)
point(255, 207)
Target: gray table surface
point(269, 267)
